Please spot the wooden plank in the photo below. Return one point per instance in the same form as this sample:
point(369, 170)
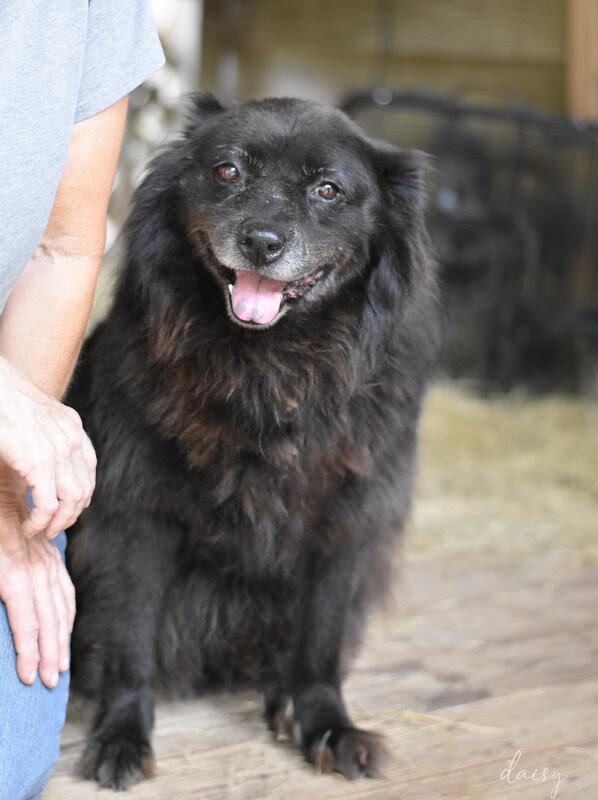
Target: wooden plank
point(281, 71)
point(508, 31)
point(524, 634)
point(511, 30)
point(582, 58)
point(508, 51)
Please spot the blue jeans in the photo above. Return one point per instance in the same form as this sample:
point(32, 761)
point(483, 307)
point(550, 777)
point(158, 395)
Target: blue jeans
point(31, 719)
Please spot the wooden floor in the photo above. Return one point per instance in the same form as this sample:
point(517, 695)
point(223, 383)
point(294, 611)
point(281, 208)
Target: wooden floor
point(481, 662)
point(486, 655)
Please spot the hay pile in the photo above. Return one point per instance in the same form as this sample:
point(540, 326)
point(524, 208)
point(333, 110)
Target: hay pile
point(508, 477)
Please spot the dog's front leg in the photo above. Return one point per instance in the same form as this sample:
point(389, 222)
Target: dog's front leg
point(326, 733)
point(118, 752)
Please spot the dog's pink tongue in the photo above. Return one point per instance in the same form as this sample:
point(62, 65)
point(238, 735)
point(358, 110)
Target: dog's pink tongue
point(256, 298)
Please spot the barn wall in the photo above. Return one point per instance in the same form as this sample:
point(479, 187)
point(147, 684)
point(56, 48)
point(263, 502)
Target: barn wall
point(480, 49)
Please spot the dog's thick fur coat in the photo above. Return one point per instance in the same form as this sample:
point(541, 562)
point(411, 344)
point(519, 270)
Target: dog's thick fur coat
point(252, 481)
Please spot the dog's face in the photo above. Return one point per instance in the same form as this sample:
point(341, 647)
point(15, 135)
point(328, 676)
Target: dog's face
point(283, 199)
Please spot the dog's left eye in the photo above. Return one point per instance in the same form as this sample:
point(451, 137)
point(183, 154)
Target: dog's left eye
point(228, 172)
point(327, 191)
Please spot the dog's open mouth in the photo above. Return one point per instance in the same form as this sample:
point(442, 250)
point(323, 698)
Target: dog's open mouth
point(255, 298)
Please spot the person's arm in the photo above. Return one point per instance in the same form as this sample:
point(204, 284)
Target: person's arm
point(42, 326)
point(42, 443)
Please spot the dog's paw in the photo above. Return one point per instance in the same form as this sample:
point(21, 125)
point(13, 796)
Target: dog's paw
point(352, 752)
point(117, 763)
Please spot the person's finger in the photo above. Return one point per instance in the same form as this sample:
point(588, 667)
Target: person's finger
point(85, 480)
point(45, 579)
point(64, 623)
point(42, 480)
point(89, 454)
point(68, 591)
point(23, 622)
point(70, 492)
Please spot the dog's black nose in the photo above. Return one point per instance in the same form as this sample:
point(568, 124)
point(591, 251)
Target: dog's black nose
point(261, 244)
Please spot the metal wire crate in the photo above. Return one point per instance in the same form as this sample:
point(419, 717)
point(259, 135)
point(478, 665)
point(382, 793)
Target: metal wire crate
point(513, 217)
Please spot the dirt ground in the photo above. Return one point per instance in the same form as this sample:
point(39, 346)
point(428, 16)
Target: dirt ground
point(482, 676)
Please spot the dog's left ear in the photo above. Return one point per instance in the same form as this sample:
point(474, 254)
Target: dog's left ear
point(402, 178)
point(402, 174)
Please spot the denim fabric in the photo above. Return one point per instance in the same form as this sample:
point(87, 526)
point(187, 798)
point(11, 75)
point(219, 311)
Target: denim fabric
point(31, 719)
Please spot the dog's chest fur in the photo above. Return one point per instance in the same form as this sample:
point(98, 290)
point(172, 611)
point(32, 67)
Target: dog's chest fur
point(264, 454)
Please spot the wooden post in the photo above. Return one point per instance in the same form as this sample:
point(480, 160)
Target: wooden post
point(582, 58)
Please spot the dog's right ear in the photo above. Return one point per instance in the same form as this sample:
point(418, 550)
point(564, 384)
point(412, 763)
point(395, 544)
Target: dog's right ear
point(202, 106)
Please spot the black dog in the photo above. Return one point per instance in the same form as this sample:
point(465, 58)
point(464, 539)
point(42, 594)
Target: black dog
point(253, 398)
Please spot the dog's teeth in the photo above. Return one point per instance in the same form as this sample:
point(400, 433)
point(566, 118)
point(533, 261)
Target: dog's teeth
point(230, 288)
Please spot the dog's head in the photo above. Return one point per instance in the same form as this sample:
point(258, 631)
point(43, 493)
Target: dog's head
point(287, 201)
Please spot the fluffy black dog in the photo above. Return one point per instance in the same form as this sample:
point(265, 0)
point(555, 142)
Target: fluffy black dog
point(253, 398)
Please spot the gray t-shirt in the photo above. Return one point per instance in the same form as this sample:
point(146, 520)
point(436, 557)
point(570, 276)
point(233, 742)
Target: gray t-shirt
point(61, 61)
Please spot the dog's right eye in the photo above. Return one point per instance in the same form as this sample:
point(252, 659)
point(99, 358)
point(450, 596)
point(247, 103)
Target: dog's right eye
point(328, 191)
point(228, 173)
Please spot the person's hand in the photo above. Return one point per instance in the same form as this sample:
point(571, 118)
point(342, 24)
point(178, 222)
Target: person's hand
point(43, 441)
point(37, 592)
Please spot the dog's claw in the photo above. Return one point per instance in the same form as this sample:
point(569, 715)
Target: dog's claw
point(353, 753)
point(282, 726)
